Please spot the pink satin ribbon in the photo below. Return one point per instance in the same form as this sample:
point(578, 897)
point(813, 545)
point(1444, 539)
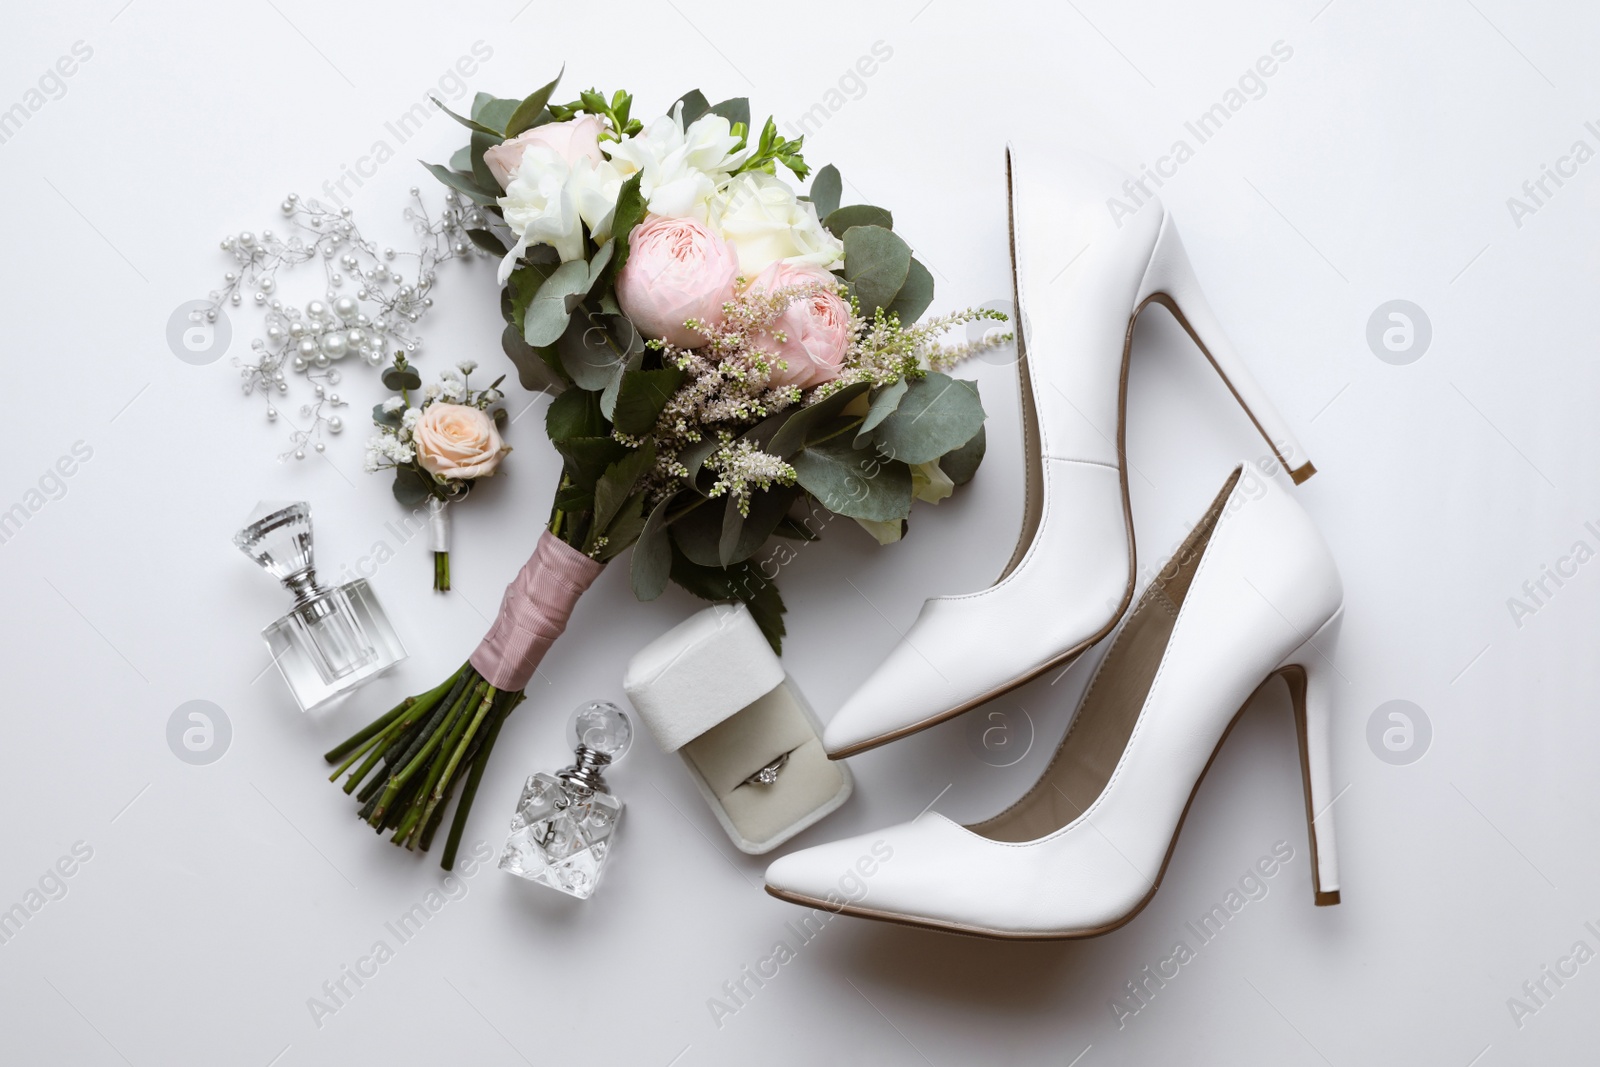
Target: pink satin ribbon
point(534, 612)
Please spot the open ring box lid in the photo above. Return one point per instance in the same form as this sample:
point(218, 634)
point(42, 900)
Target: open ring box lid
point(712, 690)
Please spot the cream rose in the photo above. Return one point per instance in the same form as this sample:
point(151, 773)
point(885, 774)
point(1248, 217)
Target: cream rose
point(456, 442)
point(768, 224)
point(575, 139)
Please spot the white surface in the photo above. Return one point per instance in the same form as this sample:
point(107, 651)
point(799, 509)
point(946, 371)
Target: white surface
point(1376, 166)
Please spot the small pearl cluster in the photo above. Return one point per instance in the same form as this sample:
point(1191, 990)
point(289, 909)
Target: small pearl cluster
point(378, 318)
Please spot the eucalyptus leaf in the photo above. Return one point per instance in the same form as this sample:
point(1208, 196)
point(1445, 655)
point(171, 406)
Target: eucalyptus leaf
point(826, 188)
point(743, 535)
point(486, 240)
point(694, 458)
point(876, 264)
point(642, 396)
point(842, 220)
point(962, 463)
point(397, 378)
point(534, 368)
point(797, 430)
point(938, 414)
point(694, 104)
point(494, 111)
point(526, 116)
point(793, 529)
point(385, 418)
point(461, 183)
point(591, 353)
point(410, 487)
point(882, 407)
point(481, 173)
point(548, 312)
point(698, 534)
point(734, 110)
point(461, 158)
point(859, 484)
point(652, 555)
point(914, 296)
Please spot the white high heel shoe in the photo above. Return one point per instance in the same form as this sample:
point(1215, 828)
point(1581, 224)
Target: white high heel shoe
point(1081, 280)
point(1253, 593)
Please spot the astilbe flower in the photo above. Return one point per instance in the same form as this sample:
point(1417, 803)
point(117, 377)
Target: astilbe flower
point(726, 390)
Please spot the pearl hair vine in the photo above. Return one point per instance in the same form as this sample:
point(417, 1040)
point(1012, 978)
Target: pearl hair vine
point(369, 308)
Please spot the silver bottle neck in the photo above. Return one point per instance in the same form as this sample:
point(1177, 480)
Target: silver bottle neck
point(587, 772)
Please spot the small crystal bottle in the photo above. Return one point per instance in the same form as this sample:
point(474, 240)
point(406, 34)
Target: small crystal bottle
point(333, 639)
point(561, 832)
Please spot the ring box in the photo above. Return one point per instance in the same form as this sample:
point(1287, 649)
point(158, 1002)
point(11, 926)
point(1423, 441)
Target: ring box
point(712, 690)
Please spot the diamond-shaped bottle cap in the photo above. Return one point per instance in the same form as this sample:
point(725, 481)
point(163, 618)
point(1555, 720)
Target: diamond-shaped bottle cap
point(279, 538)
point(603, 727)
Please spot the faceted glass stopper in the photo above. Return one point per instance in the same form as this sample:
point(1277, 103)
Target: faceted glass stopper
point(279, 541)
point(604, 728)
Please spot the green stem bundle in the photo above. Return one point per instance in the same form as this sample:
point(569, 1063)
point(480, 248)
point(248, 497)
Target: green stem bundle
point(426, 745)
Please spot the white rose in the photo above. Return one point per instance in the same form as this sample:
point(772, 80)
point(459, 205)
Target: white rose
point(768, 223)
point(540, 208)
point(682, 169)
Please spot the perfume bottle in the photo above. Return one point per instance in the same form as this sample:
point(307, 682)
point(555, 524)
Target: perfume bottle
point(333, 639)
point(561, 832)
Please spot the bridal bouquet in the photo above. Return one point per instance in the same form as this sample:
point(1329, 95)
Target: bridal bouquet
point(438, 443)
point(722, 351)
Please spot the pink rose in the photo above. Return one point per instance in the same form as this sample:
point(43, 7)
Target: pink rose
point(456, 442)
point(815, 327)
point(575, 139)
point(676, 270)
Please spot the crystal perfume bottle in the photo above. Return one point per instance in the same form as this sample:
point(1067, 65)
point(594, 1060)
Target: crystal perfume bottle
point(561, 832)
point(333, 639)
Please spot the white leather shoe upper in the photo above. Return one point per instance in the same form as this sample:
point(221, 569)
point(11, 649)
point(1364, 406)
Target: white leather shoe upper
point(1078, 278)
point(1264, 585)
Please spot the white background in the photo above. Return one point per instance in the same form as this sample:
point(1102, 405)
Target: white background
point(1376, 166)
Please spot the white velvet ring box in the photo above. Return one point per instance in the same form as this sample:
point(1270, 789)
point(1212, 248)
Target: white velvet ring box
point(712, 690)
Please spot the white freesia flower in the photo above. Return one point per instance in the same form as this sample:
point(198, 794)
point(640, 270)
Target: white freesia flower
point(682, 169)
point(768, 223)
point(541, 209)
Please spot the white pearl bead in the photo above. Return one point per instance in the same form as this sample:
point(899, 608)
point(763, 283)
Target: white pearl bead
point(300, 454)
point(321, 447)
point(346, 308)
point(308, 348)
point(336, 424)
point(247, 239)
point(335, 345)
point(235, 299)
point(317, 309)
point(299, 364)
point(356, 336)
point(320, 360)
point(272, 413)
point(333, 398)
point(267, 285)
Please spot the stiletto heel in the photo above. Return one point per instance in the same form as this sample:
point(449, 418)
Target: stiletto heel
point(1085, 849)
point(1310, 677)
point(1170, 281)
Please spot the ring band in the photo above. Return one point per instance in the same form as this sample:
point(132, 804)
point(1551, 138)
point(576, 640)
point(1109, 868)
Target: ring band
point(768, 774)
